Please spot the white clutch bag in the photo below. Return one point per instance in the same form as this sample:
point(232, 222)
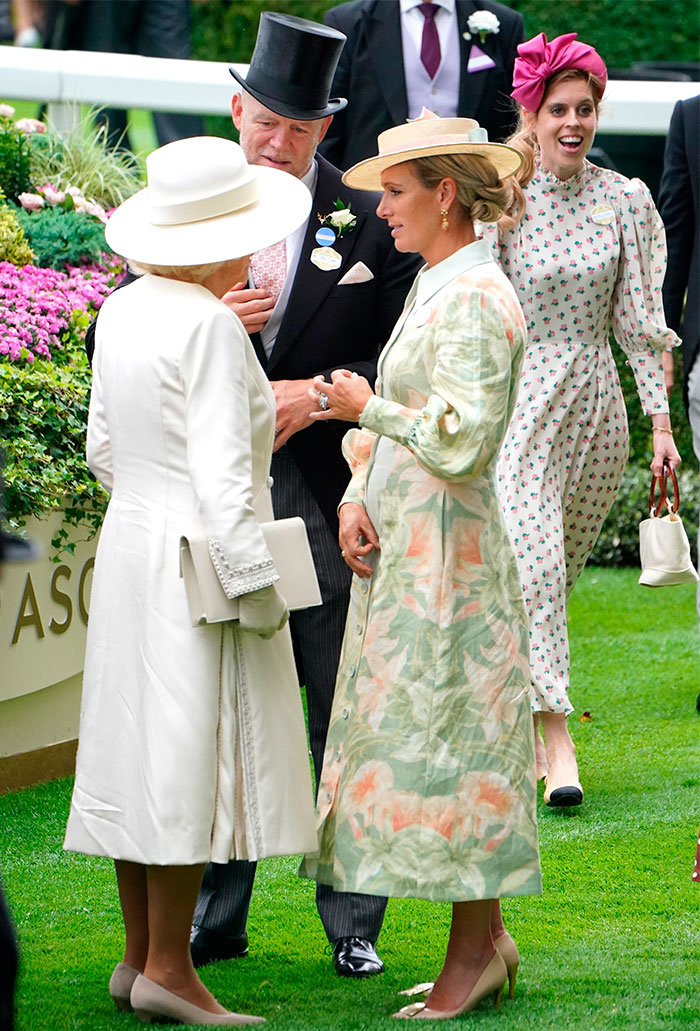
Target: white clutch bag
point(289, 546)
point(664, 550)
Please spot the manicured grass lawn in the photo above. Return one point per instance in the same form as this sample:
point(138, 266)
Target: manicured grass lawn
point(614, 942)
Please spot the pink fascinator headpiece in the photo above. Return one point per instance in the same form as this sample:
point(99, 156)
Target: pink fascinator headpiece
point(539, 60)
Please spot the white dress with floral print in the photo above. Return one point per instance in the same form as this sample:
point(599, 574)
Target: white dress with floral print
point(589, 255)
point(428, 785)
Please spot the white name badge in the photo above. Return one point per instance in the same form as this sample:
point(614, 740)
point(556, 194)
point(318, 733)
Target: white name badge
point(326, 258)
point(603, 214)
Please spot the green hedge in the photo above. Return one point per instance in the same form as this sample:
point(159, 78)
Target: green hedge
point(43, 420)
point(622, 30)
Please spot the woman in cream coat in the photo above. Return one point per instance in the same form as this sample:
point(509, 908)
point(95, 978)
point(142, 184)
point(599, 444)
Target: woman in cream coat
point(192, 742)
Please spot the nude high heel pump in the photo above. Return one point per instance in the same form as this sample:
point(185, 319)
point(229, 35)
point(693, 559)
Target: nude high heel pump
point(150, 1001)
point(490, 982)
point(120, 984)
point(511, 957)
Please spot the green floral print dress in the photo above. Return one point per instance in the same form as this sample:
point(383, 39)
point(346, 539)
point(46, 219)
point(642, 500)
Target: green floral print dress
point(428, 785)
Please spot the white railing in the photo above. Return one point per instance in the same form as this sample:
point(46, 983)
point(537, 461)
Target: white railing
point(65, 78)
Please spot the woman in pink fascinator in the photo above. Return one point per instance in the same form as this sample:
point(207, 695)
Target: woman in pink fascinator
point(586, 253)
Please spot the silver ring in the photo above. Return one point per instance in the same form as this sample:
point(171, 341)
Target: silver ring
point(323, 402)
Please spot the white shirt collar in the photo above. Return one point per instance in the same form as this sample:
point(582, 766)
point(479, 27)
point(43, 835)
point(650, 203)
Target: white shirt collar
point(407, 5)
point(430, 280)
point(310, 178)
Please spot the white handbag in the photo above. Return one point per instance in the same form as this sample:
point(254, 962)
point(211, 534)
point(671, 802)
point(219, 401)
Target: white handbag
point(288, 545)
point(664, 549)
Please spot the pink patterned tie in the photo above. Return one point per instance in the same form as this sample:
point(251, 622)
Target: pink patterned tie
point(269, 268)
point(430, 43)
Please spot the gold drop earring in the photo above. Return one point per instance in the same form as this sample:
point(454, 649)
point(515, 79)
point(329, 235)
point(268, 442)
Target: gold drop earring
point(445, 224)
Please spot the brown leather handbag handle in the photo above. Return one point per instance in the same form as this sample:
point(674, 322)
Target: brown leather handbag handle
point(662, 480)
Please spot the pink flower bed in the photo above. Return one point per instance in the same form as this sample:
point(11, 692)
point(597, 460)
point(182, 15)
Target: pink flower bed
point(38, 305)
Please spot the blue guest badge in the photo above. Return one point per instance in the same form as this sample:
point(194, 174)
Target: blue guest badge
point(325, 237)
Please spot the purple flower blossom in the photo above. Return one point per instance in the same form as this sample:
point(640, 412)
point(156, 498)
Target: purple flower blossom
point(39, 305)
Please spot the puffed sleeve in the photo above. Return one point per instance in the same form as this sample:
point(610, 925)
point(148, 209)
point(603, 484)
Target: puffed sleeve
point(99, 448)
point(216, 384)
point(472, 375)
point(638, 320)
point(357, 447)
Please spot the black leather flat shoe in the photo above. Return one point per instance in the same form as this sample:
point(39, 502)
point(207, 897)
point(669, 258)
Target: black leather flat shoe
point(210, 946)
point(564, 797)
point(356, 957)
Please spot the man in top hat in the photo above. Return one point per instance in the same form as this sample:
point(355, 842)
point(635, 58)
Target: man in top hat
point(326, 298)
point(454, 57)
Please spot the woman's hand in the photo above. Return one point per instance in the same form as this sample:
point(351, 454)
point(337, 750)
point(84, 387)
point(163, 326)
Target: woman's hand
point(357, 537)
point(345, 397)
point(665, 449)
point(262, 612)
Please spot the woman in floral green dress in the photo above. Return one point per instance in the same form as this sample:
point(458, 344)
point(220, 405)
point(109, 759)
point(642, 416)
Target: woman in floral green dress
point(428, 786)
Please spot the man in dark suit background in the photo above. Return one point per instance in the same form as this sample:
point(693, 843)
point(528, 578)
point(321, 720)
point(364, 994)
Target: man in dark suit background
point(679, 206)
point(326, 311)
point(382, 74)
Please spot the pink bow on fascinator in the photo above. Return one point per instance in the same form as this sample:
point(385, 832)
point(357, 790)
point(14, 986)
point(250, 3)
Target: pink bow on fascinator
point(539, 60)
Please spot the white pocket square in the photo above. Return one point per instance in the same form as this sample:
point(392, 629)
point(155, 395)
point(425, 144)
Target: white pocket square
point(359, 273)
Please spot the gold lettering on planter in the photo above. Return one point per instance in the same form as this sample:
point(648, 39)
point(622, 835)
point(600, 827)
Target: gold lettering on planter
point(82, 607)
point(28, 617)
point(61, 598)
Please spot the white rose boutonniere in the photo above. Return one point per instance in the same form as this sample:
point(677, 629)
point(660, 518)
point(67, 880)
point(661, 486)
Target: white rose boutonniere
point(341, 219)
point(482, 24)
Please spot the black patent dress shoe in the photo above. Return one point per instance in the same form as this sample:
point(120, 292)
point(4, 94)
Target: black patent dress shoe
point(356, 957)
point(210, 946)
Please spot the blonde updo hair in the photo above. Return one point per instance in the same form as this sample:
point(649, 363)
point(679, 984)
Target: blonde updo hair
point(186, 273)
point(481, 194)
point(525, 140)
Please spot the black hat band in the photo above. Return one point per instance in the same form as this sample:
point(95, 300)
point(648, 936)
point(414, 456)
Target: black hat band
point(296, 96)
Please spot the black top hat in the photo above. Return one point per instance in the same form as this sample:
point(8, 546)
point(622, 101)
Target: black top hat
point(292, 67)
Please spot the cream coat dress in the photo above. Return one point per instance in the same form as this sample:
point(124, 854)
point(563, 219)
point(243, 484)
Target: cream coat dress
point(192, 742)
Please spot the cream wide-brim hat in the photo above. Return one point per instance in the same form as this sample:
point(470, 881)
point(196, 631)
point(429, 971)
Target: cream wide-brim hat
point(204, 203)
point(426, 136)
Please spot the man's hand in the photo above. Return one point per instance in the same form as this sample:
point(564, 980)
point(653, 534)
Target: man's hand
point(294, 407)
point(253, 307)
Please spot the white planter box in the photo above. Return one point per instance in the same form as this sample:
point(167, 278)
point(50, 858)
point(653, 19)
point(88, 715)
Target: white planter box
point(44, 608)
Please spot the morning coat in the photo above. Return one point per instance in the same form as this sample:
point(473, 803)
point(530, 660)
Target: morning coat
point(679, 207)
point(370, 74)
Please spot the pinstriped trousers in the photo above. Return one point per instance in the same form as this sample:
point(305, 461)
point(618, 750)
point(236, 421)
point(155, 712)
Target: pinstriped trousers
point(317, 634)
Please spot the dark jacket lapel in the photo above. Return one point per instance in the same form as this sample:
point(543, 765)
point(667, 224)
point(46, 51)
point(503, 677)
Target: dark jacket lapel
point(259, 349)
point(471, 87)
point(384, 41)
point(311, 284)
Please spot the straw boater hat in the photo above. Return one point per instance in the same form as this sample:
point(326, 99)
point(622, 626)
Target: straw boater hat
point(204, 203)
point(426, 136)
